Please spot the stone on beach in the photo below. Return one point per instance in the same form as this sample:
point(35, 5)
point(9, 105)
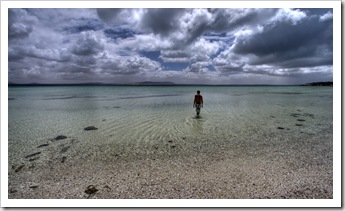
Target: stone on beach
point(63, 159)
point(34, 186)
point(90, 189)
point(90, 128)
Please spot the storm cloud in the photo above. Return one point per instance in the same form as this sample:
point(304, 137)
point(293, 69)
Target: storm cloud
point(201, 45)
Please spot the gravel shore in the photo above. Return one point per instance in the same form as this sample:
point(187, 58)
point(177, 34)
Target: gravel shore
point(290, 168)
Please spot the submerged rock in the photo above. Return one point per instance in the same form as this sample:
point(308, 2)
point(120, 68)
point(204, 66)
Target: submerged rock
point(91, 128)
point(64, 149)
point(32, 155)
point(61, 137)
point(309, 115)
point(43, 145)
point(295, 115)
point(33, 159)
point(301, 120)
point(19, 168)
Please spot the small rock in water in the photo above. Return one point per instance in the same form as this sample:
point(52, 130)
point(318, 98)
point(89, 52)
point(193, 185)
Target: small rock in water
point(280, 128)
point(170, 141)
point(90, 128)
point(63, 159)
point(43, 145)
point(295, 115)
point(31, 155)
point(309, 115)
point(64, 149)
point(33, 159)
point(61, 137)
point(90, 189)
point(19, 168)
point(300, 120)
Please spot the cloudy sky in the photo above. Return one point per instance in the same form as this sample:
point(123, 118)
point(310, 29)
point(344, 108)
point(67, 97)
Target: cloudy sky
point(211, 46)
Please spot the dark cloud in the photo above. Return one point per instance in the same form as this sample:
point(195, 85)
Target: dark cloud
point(83, 24)
point(19, 24)
point(226, 20)
point(108, 14)
point(161, 21)
point(119, 33)
point(284, 37)
point(308, 43)
point(212, 45)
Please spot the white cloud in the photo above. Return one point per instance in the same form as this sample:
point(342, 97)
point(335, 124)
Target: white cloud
point(88, 44)
point(289, 15)
point(327, 16)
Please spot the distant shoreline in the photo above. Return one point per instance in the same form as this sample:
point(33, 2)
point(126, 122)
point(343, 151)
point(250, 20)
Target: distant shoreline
point(165, 84)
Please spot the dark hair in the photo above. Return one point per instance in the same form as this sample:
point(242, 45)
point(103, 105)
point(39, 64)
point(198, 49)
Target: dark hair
point(198, 92)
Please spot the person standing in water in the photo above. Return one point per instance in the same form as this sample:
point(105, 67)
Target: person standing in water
point(198, 102)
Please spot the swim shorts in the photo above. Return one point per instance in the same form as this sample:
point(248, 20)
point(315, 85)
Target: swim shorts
point(197, 108)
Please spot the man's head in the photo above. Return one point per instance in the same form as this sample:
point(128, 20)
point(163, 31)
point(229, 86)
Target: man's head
point(198, 92)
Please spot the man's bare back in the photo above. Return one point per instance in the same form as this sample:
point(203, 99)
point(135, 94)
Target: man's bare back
point(198, 102)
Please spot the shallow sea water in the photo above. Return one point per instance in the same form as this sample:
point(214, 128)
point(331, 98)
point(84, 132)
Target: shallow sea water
point(146, 120)
point(248, 142)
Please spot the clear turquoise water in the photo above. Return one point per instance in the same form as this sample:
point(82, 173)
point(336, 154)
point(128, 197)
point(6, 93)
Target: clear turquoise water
point(141, 117)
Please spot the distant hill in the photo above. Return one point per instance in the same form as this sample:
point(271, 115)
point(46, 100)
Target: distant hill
point(151, 83)
point(327, 83)
point(145, 83)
